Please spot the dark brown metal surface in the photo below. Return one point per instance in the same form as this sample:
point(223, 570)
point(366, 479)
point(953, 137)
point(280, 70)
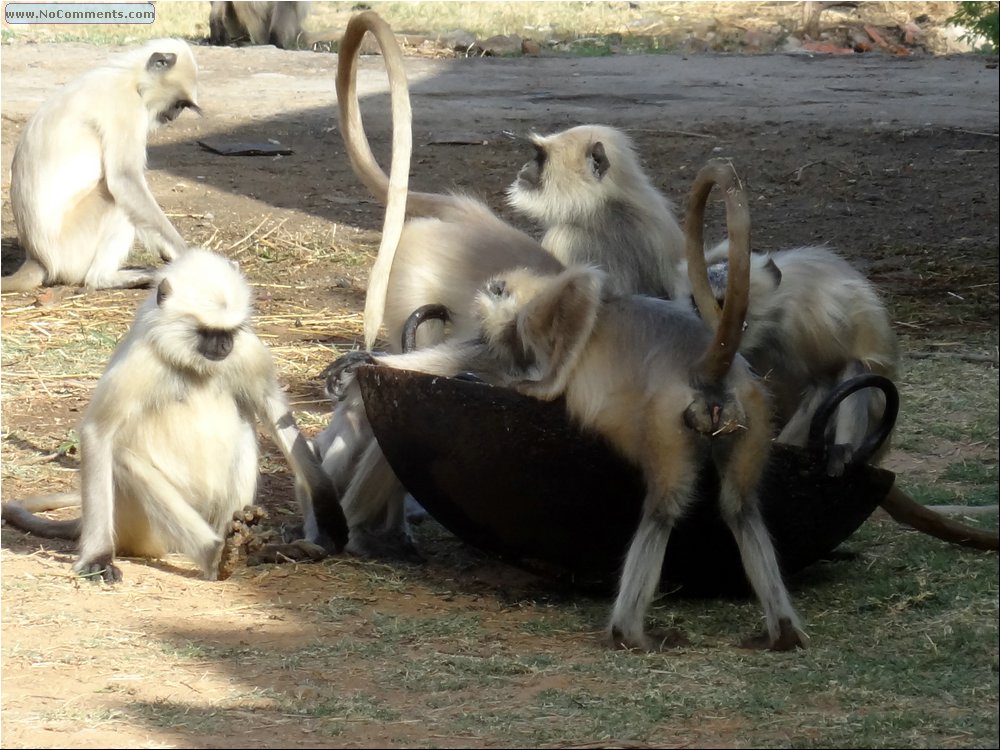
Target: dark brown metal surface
point(511, 476)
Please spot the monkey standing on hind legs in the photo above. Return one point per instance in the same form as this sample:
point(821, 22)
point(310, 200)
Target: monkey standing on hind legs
point(78, 190)
point(652, 378)
point(168, 440)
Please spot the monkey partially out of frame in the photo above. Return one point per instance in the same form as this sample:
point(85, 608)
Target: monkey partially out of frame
point(651, 377)
point(78, 189)
point(168, 440)
point(277, 23)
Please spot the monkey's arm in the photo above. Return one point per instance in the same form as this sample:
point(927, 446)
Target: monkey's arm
point(313, 486)
point(126, 182)
point(905, 509)
point(97, 530)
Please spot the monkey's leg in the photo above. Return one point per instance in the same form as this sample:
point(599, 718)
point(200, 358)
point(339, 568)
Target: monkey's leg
point(99, 490)
point(850, 422)
point(323, 516)
point(175, 522)
point(796, 429)
point(373, 505)
point(114, 235)
point(740, 468)
point(30, 275)
point(218, 21)
point(670, 475)
point(639, 579)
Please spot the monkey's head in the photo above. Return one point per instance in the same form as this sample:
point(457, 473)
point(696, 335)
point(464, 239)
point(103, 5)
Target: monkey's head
point(575, 175)
point(765, 277)
point(538, 322)
point(168, 80)
point(199, 312)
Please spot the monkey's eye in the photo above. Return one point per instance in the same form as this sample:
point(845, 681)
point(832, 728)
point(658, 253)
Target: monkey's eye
point(497, 287)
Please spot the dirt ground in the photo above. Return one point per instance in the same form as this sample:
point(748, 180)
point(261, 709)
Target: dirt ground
point(891, 160)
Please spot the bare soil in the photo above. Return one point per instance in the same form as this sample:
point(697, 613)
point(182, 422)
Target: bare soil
point(893, 161)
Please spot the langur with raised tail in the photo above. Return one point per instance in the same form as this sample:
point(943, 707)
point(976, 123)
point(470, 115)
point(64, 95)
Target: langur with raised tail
point(667, 393)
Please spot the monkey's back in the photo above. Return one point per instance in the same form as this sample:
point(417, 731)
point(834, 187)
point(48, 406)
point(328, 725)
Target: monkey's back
point(57, 165)
point(828, 314)
point(633, 378)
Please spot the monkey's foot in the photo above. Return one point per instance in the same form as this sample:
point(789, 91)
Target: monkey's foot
point(839, 457)
point(654, 641)
point(241, 540)
point(99, 570)
point(301, 550)
point(339, 374)
point(384, 545)
point(789, 638)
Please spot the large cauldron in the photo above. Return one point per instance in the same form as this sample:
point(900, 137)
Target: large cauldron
point(511, 476)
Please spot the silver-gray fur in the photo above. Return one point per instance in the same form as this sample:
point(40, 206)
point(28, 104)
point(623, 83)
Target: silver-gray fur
point(588, 190)
point(813, 322)
point(627, 367)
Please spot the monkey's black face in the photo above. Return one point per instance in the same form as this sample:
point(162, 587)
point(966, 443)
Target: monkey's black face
point(718, 277)
point(497, 287)
point(214, 344)
point(172, 112)
point(530, 176)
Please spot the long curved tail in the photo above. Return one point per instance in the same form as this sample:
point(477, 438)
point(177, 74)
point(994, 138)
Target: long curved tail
point(727, 322)
point(20, 517)
point(392, 190)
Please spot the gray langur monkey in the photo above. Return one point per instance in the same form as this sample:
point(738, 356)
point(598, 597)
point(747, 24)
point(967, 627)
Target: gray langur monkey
point(813, 322)
point(78, 189)
point(247, 22)
point(278, 23)
point(586, 187)
point(456, 243)
point(168, 440)
point(667, 393)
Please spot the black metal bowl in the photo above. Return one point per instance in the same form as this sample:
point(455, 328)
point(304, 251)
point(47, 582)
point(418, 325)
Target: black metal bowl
point(513, 477)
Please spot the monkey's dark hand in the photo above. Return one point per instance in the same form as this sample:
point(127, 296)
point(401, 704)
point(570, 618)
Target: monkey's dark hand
point(339, 374)
point(839, 457)
point(101, 569)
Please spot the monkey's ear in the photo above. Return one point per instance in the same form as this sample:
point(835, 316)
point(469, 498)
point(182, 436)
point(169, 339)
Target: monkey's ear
point(163, 291)
point(772, 268)
point(160, 61)
point(557, 325)
point(599, 161)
